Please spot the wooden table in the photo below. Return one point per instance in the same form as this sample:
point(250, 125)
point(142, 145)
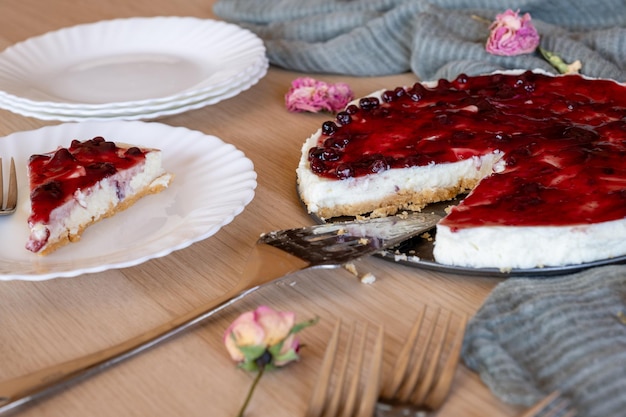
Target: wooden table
point(45, 323)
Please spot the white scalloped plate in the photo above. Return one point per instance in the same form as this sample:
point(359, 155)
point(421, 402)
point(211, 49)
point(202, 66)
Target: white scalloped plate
point(126, 62)
point(150, 111)
point(213, 183)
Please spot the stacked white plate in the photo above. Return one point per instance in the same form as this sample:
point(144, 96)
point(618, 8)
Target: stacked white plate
point(129, 69)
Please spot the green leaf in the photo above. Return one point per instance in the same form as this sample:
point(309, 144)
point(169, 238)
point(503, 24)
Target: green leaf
point(251, 353)
point(249, 366)
point(288, 356)
point(275, 349)
point(299, 326)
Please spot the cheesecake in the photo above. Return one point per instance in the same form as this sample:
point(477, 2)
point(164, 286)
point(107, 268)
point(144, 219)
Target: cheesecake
point(539, 156)
point(74, 187)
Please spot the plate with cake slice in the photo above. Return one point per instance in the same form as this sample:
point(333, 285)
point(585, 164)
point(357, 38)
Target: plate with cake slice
point(100, 195)
point(539, 156)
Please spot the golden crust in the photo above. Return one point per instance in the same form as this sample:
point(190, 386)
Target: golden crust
point(403, 200)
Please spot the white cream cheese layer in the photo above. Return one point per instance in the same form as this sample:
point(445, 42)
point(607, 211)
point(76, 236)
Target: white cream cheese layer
point(508, 247)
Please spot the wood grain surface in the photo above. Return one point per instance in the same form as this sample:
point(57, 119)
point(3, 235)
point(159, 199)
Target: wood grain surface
point(44, 323)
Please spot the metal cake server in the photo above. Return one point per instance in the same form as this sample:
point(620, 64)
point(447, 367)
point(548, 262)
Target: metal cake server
point(275, 255)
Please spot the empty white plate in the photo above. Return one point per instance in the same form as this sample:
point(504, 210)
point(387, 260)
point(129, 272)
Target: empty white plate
point(145, 112)
point(126, 63)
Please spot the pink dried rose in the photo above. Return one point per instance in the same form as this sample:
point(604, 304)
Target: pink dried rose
point(263, 339)
point(310, 95)
point(512, 35)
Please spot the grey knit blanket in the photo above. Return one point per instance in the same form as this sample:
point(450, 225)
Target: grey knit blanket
point(433, 38)
point(533, 336)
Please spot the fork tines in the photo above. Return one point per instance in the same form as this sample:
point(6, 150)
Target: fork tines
point(349, 380)
point(426, 365)
point(11, 203)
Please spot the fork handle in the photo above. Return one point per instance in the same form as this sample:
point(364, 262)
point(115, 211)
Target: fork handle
point(23, 389)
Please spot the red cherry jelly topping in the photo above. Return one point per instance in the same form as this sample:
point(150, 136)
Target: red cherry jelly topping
point(563, 138)
point(56, 176)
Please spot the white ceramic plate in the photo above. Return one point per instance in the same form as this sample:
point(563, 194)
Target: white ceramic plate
point(150, 111)
point(123, 62)
point(253, 73)
point(213, 183)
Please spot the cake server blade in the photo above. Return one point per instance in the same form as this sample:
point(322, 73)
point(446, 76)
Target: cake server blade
point(275, 255)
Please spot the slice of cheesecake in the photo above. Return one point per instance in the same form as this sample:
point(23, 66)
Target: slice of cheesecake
point(72, 188)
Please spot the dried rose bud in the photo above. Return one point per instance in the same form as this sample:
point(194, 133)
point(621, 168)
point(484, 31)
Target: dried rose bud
point(310, 95)
point(263, 339)
point(263, 330)
point(512, 35)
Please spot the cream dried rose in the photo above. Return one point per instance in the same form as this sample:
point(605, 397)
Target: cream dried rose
point(263, 339)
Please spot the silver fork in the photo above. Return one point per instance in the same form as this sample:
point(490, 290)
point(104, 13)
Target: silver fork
point(425, 367)
point(275, 255)
point(344, 387)
point(11, 203)
point(553, 405)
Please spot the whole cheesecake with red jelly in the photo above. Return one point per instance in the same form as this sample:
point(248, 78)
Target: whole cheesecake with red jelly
point(541, 156)
point(72, 188)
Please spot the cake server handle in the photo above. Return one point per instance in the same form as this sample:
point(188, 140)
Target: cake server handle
point(276, 255)
point(24, 389)
point(262, 267)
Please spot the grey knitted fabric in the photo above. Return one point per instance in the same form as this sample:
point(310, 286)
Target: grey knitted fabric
point(535, 335)
point(433, 38)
